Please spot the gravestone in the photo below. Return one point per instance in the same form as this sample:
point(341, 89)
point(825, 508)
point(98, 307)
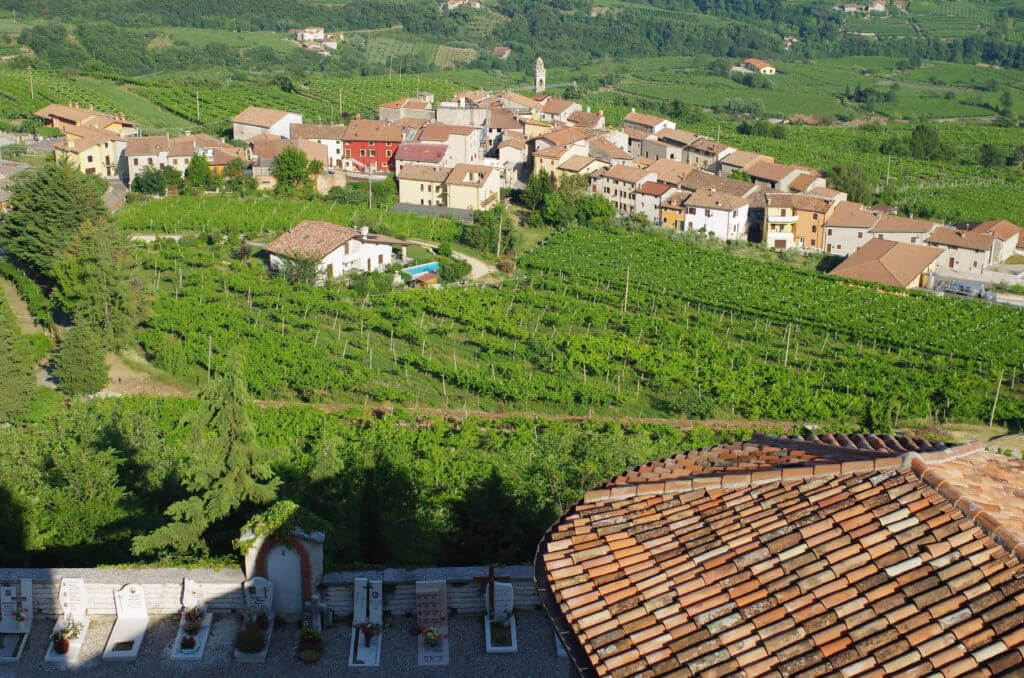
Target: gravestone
point(259, 598)
point(367, 622)
point(130, 626)
point(284, 570)
point(278, 558)
point(73, 601)
point(15, 620)
point(500, 620)
point(193, 598)
point(432, 614)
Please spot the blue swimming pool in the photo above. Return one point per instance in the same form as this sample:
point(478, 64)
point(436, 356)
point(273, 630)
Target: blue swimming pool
point(422, 268)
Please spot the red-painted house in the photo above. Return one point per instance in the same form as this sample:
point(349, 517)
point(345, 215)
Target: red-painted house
point(371, 145)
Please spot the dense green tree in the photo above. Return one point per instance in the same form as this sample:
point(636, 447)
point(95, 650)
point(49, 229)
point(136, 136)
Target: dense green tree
point(15, 367)
point(593, 209)
point(557, 211)
point(990, 155)
point(537, 186)
point(854, 180)
point(93, 283)
point(925, 144)
point(1006, 103)
point(225, 468)
point(482, 233)
point(294, 172)
point(199, 176)
point(80, 363)
point(236, 179)
point(47, 209)
point(150, 181)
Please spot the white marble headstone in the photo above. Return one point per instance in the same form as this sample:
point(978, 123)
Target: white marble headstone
point(259, 594)
point(192, 595)
point(367, 601)
point(504, 601)
point(431, 603)
point(130, 602)
point(73, 598)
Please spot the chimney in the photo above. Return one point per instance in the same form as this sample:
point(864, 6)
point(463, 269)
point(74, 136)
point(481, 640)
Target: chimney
point(359, 116)
point(365, 230)
point(588, 109)
point(632, 110)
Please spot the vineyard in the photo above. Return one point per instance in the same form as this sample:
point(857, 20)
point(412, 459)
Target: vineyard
point(450, 57)
point(364, 95)
point(218, 106)
point(17, 100)
point(700, 334)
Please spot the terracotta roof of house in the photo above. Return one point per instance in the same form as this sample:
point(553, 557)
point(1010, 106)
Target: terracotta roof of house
point(565, 135)
point(705, 145)
point(501, 52)
point(679, 137)
point(267, 148)
point(463, 174)
point(259, 117)
point(851, 215)
point(806, 203)
point(524, 101)
point(310, 131)
point(606, 147)
point(644, 119)
point(813, 171)
point(87, 137)
point(437, 131)
point(153, 145)
point(501, 118)
point(655, 188)
point(513, 140)
point(887, 262)
point(855, 555)
point(311, 240)
point(638, 134)
point(435, 175)
point(826, 192)
point(421, 152)
point(742, 159)
point(756, 63)
point(715, 200)
point(555, 106)
point(671, 171)
point(86, 117)
point(705, 180)
point(411, 123)
point(407, 102)
point(551, 151)
point(578, 163)
point(1001, 228)
point(630, 175)
point(373, 130)
point(890, 223)
point(772, 171)
point(951, 237)
point(585, 118)
point(802, 182)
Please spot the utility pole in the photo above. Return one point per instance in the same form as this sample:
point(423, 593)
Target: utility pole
point(996, 401)
point(625, 297)
point(501, 226)
point(339, 105)
point(369, 190)
point(198, 118)
point(888, 164)
point(31, 87)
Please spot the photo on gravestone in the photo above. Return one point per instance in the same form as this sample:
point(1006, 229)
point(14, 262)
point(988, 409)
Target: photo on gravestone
point(432, 623)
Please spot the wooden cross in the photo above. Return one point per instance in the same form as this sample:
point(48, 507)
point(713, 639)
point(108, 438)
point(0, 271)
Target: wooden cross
point(489, 583)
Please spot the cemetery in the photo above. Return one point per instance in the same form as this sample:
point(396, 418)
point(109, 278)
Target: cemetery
point(281, 610)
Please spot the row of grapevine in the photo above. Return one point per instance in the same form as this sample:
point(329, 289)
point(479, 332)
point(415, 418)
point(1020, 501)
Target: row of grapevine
point(22, 93)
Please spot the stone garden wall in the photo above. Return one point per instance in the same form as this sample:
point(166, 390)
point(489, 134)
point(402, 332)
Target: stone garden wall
point(162, 587)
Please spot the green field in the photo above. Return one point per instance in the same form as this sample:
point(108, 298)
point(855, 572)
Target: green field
point(134, 106)
point(202, 37)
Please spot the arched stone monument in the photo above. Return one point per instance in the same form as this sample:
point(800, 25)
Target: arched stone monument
point(293, 562)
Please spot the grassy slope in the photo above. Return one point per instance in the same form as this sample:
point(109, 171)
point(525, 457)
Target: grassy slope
point(134, 106)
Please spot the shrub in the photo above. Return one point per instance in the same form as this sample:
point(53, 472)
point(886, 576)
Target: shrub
point(250, 639)
point(80, 364)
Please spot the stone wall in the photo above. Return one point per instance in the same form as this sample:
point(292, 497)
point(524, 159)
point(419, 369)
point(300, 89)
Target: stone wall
point(162, 588)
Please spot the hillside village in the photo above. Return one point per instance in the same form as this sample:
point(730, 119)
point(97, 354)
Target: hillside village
point(454, 157)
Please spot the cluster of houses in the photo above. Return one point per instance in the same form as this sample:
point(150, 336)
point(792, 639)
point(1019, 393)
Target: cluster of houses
point(875, 6)
point(316, 39)
point(455, 156)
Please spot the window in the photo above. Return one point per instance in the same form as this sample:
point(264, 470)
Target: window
point(812, 242)
point(347, 247)
point(388, 153)
point(380, 258)
point(814, 229)
point(707, 212)
point(88, 158)
point(135, 161)
point(913, 238)
point(373, 153)
point(150, 161)
point(362, 152)
point(860, 235)
point(830, 231)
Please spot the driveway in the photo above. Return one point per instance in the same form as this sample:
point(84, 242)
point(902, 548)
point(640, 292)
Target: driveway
point(478, 268)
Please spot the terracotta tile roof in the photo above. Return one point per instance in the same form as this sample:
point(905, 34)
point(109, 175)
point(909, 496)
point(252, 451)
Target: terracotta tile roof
point(805, 203)
point(605, 147)
point(756, 63)
point(435, 175)
point(85, 138)
point(474, 95)
point(85, 117)
point(705, 180)
point(311, 131)
point(585, 118)
point(654, 188)
point(501, 52)
point(373, 130)
point(802, 182)
point(259, 117)
point(826, 192)
point(708, 146)
point(843, 556)
point(154, 145)
point(644, 119)
point(565, 135)
point(555, 106)
point(890, 223)
point(469, 175)
point(851, 215)
point(578, 163)
point(408, 102)
point(437, 131)
point(678, 137)
point(268, 147)
point(503, 119)
point(1001, 229)
point(311, 240)
point(637, 134)
point(742, 159)
point(421, 152)
point(887, 262)
point(671, 171)
point(520, 100)
point(772, 171)
point(407, 124)
point(551, 151)
point(716, 201)
point(513, 140)
point(945, 236)
point(630, 175)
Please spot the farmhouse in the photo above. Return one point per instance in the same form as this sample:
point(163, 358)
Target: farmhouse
point(816, 555)
point(1006, 238)
point(64, 117)
point(255, 120)
point(580, 164)
point(649, 198)
point(336, 249)
point(162, 151)
point(719, 214)
point(803, 216)
point(93, 151)
point(758, 66)
point(965, 251)
point(890, 263)
point(848, 227)
point(587, 119)
point(739, 161)
point(422, 185)
point(472, 187)
point(648, 124)
point(903, 229)
point(429, 155)
point(331, 136)
point(773, 175)
point(619, 183)
point(464, 141)
point(370, 146)
point(501, 52)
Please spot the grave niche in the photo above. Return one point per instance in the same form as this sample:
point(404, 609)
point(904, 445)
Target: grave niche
point(293, 563)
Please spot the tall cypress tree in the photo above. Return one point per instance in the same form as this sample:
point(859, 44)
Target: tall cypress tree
point(47, 209)
point(224, 468)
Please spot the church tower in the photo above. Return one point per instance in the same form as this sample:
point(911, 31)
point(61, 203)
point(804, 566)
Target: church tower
point(539, 76)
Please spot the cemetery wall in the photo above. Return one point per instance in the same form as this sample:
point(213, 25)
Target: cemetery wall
point(162, 587)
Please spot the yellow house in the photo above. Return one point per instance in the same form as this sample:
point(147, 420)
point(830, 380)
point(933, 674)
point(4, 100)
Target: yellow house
point(93, 151)
point(535, 128)
point(472, 187)
point(551, 158)
point(797, 219)
point(422, 185)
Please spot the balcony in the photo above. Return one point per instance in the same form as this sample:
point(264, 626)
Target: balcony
point(780, 219)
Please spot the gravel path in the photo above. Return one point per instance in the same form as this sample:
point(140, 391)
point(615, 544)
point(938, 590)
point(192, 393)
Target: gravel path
point(536, 656)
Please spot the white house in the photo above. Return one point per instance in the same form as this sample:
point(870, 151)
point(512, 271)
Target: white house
point(1006, 238)
point(646, 123)
point(337, 249)
point(465, 142)
point(719, 214)
point(331, 136)
point(254, 121)
point(903, 229)
point(848, 228)
point(649, 198)
point(619, 183)
point(965, 251)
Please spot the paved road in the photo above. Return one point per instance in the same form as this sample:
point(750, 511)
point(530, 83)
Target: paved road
point(478, 268)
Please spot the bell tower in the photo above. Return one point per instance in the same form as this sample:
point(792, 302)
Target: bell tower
point(539, 76)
